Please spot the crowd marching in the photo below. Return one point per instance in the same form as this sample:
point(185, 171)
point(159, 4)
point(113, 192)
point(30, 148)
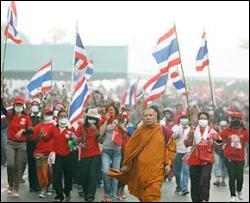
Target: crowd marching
point(107, 139)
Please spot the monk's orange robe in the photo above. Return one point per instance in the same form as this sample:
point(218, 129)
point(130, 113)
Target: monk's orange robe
point(146, 154)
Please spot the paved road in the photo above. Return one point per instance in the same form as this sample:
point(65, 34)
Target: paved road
point(217, 194)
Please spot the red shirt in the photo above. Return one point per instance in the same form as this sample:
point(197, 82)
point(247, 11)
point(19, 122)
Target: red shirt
point(42, 147)
point(194, 158)
point(17, 123)
point(236, 139)
point(60, 142)
point(92, 146)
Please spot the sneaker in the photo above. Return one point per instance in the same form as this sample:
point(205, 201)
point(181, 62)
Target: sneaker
point(240, 195)
point(68, 197)
point(9, 190)
point(177, 190)
point(105, 198)
point(217, 183)
point(223, 184)
point(58, 199)
point(184, 192)
point(15, 194)
point(42, 195)
point(232, 199)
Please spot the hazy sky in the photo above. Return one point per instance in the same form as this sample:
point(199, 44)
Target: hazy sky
point(140, 24)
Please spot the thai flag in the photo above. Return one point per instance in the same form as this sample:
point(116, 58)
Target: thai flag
point(130, 97)
point(89, 71)
point(11, 30)
point(166, 54)
point(155, 87)
point(80, 60)
point(80, 98)
point(202, 56)
point(41, 81)
point(9, 111)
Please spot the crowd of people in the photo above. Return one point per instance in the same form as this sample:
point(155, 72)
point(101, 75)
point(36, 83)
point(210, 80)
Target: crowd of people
point(118, 145)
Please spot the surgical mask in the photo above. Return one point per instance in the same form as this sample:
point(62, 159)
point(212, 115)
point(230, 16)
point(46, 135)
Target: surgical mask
point(55, 113)
point(18, 109)
point(48, 118)
point(184, 121)
point(34, 109)
point(63, 121)
point(91, 121)
point(235, 123)
point(203, 123)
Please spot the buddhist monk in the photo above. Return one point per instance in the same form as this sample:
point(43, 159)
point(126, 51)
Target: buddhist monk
point(148, 157)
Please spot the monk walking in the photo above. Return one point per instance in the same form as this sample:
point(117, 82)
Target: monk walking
point(148, 157)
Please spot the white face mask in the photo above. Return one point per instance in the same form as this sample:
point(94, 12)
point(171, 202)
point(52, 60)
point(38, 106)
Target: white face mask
point(184, 121)
point(63, 121)
point(34, 109)
point(18, 109)
point(48, 118)
point(203, 123)
point(55, 113)
point(91, 121)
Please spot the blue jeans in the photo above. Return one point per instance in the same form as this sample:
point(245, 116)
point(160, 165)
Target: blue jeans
point(111, 158)
point(181, 172)
point(220, 168)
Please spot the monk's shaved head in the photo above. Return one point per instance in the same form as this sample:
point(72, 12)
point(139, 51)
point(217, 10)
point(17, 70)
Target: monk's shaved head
point(149, 116)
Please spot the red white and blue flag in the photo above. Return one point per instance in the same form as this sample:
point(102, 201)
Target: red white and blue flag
point(9, 111)
point(155, 87)
point(11, 30)
point(89, 71)
point(130, 97)
point(80, 60)
point(167, 56)
point(80, 98)
point(80, 91)
point(41, 81)
point(202, 56)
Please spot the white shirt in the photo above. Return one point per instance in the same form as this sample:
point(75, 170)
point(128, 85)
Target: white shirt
point(180, 134)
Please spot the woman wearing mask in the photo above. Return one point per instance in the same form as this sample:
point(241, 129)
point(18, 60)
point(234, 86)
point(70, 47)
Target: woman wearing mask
point(36, 118)
point(201, 157)
point(90, 153)
point(111, 153)
point(42, 151)
point(61, 134)
point(18, 128)
point(181, 169)
point(235, 136)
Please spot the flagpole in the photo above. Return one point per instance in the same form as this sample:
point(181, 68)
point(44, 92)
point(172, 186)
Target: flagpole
point(73, 64)
point(51, 92)
point(184, 80)
point(3, 64)
point(210, 81)
point(211, 90)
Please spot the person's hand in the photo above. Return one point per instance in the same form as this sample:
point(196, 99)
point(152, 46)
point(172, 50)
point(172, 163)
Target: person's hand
point(108, 116)
point(41, 133)
point(167, 169)
point(124, 169)
point(19, 133)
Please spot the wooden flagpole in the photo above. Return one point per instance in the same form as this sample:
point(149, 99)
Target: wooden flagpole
point(184, 80)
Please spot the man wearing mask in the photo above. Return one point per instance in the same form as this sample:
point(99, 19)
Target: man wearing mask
point(36, 118)
point(235, 136)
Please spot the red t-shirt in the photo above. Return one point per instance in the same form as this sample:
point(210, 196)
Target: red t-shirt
point(42, 147)
point(60, 142)
point(17, 123)
point(236, 140)
point(92, 146)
